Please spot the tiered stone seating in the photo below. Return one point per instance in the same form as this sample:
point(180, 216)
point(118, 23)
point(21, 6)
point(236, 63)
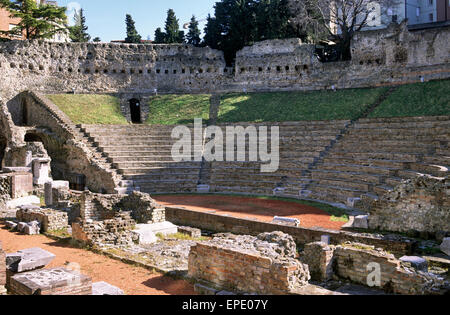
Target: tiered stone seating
point(142, 155)
point(301, 143)
point(377, 154)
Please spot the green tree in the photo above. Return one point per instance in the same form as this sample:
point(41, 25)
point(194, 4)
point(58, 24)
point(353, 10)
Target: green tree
point(97, 40)
point(160, 36)
point(133, 36)
point(78, 32)
point(172, 29)
point(193, 35)
point(37, 21)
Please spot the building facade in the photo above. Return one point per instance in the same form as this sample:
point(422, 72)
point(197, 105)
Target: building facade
point(7, 23)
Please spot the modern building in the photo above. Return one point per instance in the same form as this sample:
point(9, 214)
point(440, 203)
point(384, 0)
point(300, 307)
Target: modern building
point(7, 23)
point(419, 13)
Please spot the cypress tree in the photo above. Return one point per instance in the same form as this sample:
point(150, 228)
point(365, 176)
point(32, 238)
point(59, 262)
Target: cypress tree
point(78, 32)
point(172, 29)
point(193, 35)
point(133, 36)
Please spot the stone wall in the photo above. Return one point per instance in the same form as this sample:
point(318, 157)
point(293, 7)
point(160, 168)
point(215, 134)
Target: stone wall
point(263, 265)
point(141, 206)
point(400, 56)
point(355, 262)
point(50, 220)
point(2, 269)
point(421, 205)
point(16, 185)
point(114, 231)
point(219, 223)
point(319, 258)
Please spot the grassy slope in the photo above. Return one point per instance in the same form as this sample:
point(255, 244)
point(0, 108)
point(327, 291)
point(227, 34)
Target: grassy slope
point(421, 99)
point(90, 109)
point(178, 109)
point(296, 106)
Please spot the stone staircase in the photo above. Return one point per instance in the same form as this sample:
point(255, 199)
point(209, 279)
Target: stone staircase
point(301, 143)
point(142, 157)
point(377, 154)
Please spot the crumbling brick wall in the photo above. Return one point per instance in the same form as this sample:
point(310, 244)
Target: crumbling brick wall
point(355, 262)
point(114, 231)
point(50, 220)
point(265, 264)
point(143, 208)
point(421, 204)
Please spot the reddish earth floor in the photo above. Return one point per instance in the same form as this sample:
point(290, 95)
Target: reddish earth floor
point(254, 208)
point(133, 280)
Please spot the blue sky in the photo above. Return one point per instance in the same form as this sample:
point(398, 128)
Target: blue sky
point(106, 18)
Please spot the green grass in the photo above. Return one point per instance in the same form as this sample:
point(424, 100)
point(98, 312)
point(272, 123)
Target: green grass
point(297, 106)
point(421, 99)
point(90, 108)
point(178, 109)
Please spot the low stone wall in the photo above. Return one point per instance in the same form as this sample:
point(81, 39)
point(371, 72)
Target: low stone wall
point(142, 207)
point(114, 231)
point(355, 262)
point(218, 223)
point(263, 265)
point(50, 220)
point(2, 269)
point(421, 205)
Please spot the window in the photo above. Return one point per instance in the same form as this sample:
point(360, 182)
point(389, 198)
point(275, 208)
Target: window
point(431, 17)
point(430, 3)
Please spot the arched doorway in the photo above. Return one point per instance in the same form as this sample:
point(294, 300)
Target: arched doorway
point(3, 143)
point(135, 110)
point(24, 113)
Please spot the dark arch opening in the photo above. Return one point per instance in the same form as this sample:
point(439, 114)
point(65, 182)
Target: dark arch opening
point(3, 143)
point(24, 113)
point(135, 110)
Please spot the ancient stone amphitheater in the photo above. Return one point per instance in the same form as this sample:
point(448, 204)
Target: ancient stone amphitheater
point(395, 169)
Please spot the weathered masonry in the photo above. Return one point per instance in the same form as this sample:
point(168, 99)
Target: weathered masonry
point(394, 55)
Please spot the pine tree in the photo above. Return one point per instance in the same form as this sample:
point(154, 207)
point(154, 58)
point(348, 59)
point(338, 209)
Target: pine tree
point(97, 40)
point(132, 35)
point(78, 32)
point(160, 36)
point(193, 35)
point(172, 29)
point(37, 21)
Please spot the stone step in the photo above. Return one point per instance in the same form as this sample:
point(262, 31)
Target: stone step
point(404, 157)
point(437, 160)
point(435, 170)
point(155, 164)
point(361, 148)
point(404, 119)
point(393, 181)
point(347, 176)
point(374, 170)
point(155, 158)
point(390, 130)
point(430, 137)
point(390, 143)
point(403, 125)
point(242, 190)
point(382, 190)
point(139, 179)
point(345, 184)
point(163, 149)
point(159, 171)
point(366, 162)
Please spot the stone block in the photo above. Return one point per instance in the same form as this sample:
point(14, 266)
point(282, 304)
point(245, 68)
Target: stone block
point(203, 189)
point(361, 222)
point(104, 288)
point(32, 228)
point(417, 263)
point(49, 186)
point(445, 246)
point(57, 281)
point(145, 237)
point(164, 228)
point(326, 239)
point(11, 225)
point(41, 171)
point(21, 226)
point(190, 231)
point(286, 221)
point(29, 200)
point(28, 259)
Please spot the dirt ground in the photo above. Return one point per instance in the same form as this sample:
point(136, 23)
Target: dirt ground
point(246, 207)
point(132, 280)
